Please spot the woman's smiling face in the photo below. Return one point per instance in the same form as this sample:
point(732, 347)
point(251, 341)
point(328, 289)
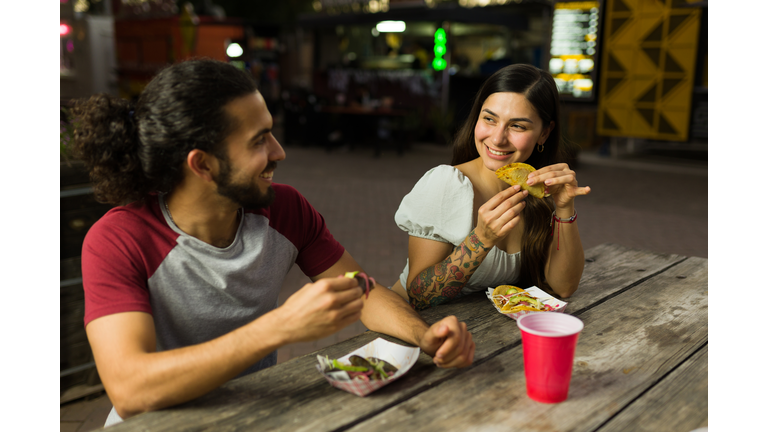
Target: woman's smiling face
point(508, 129)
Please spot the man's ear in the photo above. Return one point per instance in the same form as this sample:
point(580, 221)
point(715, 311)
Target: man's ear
point(202, 164)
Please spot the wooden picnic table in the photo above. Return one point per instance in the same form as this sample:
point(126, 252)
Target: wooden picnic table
point(640, 365)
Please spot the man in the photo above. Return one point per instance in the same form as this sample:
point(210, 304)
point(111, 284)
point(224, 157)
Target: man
point(181, 284)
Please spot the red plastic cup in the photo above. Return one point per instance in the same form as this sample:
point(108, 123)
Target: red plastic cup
point(549, 343)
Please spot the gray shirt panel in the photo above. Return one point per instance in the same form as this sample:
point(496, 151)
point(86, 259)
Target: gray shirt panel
point(201, 292)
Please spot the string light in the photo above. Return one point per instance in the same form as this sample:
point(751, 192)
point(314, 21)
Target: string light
point(439, 63)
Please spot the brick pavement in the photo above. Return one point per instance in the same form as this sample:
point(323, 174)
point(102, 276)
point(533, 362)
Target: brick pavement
point(659, 206)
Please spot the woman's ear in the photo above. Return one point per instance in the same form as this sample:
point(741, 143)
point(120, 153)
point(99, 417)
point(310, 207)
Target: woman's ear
point(545, 133)
point(202, 164)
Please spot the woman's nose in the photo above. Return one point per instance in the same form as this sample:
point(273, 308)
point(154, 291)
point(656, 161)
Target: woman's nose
point(499, 135)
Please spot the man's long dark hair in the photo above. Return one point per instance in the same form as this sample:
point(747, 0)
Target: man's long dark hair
point(132, 150)
point(541, 91)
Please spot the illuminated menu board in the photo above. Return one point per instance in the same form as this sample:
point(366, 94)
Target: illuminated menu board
point(574, 47)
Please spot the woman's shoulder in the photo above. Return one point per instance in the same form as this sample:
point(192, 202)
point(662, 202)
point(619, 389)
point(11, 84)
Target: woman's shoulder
point(445, 176)
point(439, 207)
point(468, 169)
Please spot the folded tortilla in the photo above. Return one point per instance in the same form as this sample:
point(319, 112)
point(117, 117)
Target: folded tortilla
point(517, 174)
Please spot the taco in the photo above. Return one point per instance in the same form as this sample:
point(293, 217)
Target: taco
point(524, 302)
point(502, 292)
point(511, 299)
point(517, 174)
point(366, 282)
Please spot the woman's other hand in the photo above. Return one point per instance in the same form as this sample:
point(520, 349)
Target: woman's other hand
point(561, 184)
point(497, 217)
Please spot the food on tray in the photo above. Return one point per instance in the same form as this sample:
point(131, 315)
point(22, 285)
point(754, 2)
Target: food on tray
point(368, 368)
point(365, 369)
point(507, 289)
point(366, 282)
point(511, 299)
point(517, 174)
point(525, 302)
point(502, 292)
point(515, 302)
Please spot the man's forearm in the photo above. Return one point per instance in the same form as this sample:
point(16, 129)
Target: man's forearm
point(157, 380)
point(386, 312)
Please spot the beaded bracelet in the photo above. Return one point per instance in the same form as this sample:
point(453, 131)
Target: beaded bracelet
point(571, 219)
point(557, 219)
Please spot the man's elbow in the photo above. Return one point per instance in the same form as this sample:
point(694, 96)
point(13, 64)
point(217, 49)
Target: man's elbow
point(128, 404)
point(123, 412)
point(127, 409)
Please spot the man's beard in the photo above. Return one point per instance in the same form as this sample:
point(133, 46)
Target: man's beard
point(246, 194)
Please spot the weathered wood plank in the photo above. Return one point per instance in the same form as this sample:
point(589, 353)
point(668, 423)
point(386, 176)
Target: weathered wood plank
point(677, 403)
point(611, 268)
point(294, 396)
point(608, 269)
point(628, 344)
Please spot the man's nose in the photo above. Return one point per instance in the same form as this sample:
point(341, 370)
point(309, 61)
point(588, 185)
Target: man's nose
point(276, 152)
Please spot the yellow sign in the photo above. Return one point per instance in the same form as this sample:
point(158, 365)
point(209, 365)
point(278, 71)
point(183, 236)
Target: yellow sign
point(577, 5)
point(647, 69)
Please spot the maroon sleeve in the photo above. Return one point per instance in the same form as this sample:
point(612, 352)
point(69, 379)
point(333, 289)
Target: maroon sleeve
point(120, 253)
point(295, 218)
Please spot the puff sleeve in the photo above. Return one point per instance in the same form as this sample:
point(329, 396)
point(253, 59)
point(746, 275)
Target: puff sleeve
point(439, 207)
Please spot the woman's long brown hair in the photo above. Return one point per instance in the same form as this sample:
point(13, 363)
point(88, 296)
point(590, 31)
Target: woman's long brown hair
point(541, 91)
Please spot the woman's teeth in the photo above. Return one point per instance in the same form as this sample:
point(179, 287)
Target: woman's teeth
point(493, 152)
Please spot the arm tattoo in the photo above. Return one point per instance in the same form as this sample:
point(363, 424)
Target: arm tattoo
point(444, 280)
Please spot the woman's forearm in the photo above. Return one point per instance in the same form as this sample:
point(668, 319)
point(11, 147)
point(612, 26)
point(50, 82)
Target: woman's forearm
point(566, 258)
point(444, 281)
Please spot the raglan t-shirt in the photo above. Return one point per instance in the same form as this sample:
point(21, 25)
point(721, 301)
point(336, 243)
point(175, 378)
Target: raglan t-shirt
point(136, 259)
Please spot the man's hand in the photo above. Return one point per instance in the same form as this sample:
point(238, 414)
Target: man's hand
point(449, 342)
point(320, 309)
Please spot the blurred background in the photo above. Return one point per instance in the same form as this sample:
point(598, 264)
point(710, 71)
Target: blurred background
point(367, 94)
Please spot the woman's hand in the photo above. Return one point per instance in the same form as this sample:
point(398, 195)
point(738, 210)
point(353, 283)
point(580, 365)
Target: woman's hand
point(561, 184)
point(497, 217)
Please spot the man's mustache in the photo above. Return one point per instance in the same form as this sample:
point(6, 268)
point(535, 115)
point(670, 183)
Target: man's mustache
point(271, 166)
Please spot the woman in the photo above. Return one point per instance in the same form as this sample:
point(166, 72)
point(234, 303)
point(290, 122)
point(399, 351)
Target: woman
point(468, 229)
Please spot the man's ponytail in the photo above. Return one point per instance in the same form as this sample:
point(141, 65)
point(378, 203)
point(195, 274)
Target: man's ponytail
point(106, 140)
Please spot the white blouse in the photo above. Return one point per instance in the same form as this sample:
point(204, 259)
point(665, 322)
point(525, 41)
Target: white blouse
point(440, 208)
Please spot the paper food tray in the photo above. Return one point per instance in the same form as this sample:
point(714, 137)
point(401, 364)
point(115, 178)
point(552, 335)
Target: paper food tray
point(557, 305)
point(403, 358)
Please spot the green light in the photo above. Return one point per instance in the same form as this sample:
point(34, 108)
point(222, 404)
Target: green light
point(439, 63)
point(440, 37)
